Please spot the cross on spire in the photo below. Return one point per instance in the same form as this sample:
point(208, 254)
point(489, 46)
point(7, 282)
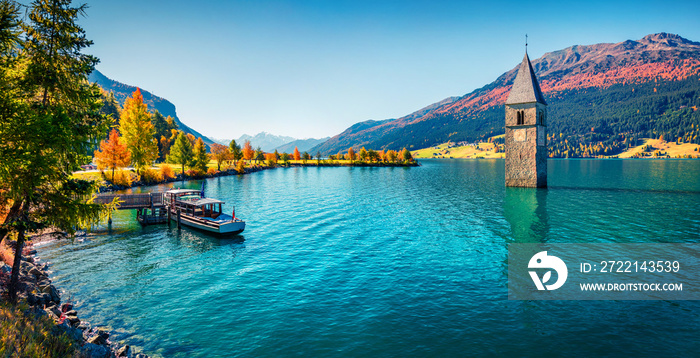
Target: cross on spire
point(525, 43)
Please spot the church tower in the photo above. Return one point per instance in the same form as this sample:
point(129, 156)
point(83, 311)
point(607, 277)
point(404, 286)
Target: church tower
point(526, 131)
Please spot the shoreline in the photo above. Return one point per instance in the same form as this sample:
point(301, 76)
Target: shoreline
point(255, 169)
point(36, 288)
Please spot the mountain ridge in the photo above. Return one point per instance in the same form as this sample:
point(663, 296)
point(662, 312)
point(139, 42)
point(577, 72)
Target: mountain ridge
point(655, 57)
point(122, 91)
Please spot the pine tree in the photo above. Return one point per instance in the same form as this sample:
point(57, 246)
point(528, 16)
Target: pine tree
point(406, 154)
point(110, 107)
point(163, 127)
point(297, 155)
point(113, 153)
point(137, 130)
point(259, 155)
point(201, 159)
point(235, 150)
point(50, 116)
point(181, 152)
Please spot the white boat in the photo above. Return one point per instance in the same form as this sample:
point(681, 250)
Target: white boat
point(192, 209)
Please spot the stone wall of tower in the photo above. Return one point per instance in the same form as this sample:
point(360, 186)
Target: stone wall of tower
point(526, 145)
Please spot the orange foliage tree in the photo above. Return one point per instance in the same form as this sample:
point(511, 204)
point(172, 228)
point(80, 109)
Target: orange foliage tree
point(113, 153)
point(219, 153)
point(248, 151)
point(297, 155)
point(351, 154)
point(271, 159)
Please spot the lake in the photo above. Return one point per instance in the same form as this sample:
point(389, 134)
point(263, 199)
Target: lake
point(386, 262)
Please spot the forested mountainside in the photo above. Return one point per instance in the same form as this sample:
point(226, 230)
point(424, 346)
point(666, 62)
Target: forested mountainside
point(122, 91)
point(602, 98)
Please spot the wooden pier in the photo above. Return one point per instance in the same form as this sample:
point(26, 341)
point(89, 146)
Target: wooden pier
point(149, 206)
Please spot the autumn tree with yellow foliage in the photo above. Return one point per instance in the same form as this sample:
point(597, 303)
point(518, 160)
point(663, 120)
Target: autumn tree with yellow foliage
point(138, 130)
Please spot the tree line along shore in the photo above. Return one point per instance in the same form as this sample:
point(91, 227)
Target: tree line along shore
point(133, 141)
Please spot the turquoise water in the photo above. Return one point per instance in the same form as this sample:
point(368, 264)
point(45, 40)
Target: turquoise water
point(387, 262)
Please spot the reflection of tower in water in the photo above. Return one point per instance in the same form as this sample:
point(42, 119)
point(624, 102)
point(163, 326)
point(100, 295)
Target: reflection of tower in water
point(526, 212)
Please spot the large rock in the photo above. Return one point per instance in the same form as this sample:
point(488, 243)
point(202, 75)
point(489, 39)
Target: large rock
point(73, 333)
point(97, 339)
point(66, 307)
point(85, 326)
point(73, 321)
point(54, 311)
point(44, 299)
point(124, 352)
point(36, 272)
point(102, 333)
point(26, 266)
point(53, 293)
point(32, 299)
point(95, 351)
point(52, 315)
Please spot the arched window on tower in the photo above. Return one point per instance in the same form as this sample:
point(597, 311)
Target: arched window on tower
point(521, 118)
point(541, 118)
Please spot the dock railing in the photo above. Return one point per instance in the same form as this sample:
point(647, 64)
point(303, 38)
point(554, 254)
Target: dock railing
point(132, 201)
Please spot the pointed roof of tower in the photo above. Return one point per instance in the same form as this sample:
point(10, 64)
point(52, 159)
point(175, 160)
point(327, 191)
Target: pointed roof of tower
point(525, 87)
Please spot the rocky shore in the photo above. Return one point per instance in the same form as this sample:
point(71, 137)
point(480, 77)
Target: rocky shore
point(44, 299)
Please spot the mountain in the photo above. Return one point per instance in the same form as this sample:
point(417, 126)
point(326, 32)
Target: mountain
point(365, 133)
point(602, 98)
point(304, 145)
point(221, 141)
point(266, 141)
point(123, 91)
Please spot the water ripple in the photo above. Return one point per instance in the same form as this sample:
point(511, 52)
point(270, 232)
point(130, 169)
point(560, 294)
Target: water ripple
point(385, 262)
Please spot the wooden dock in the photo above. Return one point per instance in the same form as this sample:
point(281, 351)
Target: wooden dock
point(149, 206)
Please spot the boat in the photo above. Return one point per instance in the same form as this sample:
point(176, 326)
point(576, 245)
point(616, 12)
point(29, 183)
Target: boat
point(191, 208)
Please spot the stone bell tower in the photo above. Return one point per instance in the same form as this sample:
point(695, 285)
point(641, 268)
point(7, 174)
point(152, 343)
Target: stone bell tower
point(526, 131)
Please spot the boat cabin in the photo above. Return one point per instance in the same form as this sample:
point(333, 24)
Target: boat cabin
point(190, 202)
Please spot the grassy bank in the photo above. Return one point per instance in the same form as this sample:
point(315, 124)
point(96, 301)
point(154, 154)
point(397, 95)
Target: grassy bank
point(24, 333)
point(128, 177)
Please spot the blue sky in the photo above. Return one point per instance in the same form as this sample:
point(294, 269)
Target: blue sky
point(313, 68)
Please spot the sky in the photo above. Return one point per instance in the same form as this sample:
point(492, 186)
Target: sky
point(310, 69)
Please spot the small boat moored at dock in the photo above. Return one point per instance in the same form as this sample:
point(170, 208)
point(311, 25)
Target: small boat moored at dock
point(190, 208)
